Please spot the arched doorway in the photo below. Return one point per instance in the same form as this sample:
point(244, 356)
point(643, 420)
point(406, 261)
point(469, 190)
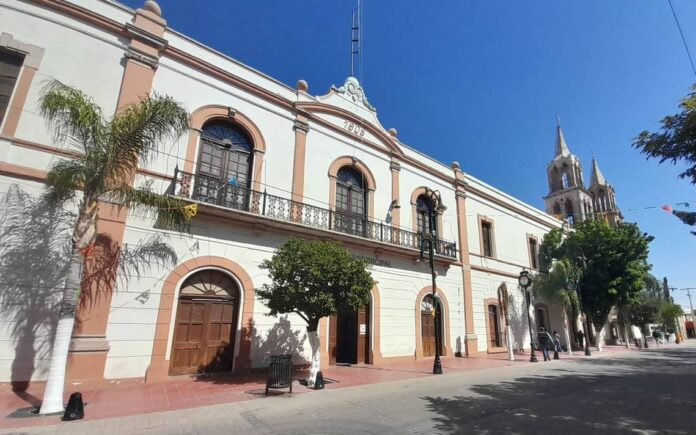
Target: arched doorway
point(349, 337)
point(206, 323)
point(431, 318)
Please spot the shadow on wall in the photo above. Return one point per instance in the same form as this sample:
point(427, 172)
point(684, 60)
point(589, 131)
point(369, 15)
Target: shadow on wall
point(518, 322)
point(281, 339)
point(589, 403)
point(34, 253)
point(35, 243)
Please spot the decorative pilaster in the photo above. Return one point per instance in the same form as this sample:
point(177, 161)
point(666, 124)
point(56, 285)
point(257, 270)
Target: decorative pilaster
point(395, 168)
point(470, 340)
point(89, 347)
point(301, 128)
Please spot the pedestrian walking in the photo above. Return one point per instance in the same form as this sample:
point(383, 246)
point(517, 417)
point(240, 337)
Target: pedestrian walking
point(656, 337)
point(557, 341)
point(545, 342)
point(581, 339)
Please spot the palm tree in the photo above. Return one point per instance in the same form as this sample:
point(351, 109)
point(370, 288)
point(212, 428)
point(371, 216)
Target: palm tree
point(111, 151)
point(556, 285)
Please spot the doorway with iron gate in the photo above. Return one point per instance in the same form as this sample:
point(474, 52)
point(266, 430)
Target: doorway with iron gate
point(349, 337)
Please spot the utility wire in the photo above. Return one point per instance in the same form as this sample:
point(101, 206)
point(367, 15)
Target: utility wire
point(686, 47)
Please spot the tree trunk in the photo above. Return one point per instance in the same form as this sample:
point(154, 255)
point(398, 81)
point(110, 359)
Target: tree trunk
point(55, 383)
point(566, 332)
point(599, 337)
point(316, 356)
point(626, 335)
point(83, 236)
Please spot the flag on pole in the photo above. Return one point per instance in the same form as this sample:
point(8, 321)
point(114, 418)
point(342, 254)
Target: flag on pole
point(667, 208)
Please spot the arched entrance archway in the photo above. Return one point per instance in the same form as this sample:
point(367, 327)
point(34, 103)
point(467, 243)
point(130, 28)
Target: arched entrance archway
point(205, 325)
point(431, 320)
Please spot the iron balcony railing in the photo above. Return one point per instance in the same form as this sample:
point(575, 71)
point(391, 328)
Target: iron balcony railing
point(211, 190)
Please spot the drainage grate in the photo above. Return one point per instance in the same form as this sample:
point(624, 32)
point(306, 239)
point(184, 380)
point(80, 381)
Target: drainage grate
point(29, 412)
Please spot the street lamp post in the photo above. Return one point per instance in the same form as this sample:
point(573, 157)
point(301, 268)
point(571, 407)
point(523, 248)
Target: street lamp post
point(431, 239)
point(525, 281)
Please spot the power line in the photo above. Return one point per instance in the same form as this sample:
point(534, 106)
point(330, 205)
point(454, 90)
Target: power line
point(686, 47)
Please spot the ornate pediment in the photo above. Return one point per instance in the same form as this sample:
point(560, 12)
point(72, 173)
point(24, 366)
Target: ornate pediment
point(352, 91)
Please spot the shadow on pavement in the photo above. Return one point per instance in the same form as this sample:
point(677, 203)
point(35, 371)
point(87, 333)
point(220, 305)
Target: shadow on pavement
point(653, 393)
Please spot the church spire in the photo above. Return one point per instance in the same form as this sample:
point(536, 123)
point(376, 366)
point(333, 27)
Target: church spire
point(561, 146)
point(597, 178)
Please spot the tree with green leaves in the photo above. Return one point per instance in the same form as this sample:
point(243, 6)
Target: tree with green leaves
point(643, 311)
point(610, 262)
point(110, 152)
point(315, 279)
point(665, 290)
point(669, 314)
point(557, 285)
point(675, 142)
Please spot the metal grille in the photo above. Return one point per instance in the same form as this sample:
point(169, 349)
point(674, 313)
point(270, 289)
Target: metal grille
point(202, 188)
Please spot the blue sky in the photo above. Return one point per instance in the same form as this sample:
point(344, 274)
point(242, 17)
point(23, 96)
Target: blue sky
point(482, 82)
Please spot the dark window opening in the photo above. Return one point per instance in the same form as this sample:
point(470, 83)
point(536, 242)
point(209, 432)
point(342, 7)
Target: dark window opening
point(424, 209)
point(10, 66)
point(351, 200)
point(487, 236)
point(534, 253)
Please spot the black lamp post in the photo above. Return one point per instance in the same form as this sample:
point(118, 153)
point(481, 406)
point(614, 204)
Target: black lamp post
point(525, 281)
point(430, 239)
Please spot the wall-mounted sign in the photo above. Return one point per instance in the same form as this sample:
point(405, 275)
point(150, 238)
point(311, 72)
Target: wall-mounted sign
point(374, 261)
point(363, 329)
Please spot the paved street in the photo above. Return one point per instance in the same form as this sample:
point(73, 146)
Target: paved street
point(647, 392)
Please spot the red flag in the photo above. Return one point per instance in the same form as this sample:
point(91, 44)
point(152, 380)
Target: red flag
point(667, 208)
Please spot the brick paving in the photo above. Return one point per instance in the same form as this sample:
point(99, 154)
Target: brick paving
point(133, 397)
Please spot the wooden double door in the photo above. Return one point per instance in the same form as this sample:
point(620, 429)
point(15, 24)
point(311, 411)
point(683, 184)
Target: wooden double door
point(431, 318)
point(349, 337)
point(204, 335)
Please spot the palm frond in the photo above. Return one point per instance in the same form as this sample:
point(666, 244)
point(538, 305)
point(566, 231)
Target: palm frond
point(65, 178)
point(168, 209)
point(72, 115)
point(140, 128)
point(150, 253)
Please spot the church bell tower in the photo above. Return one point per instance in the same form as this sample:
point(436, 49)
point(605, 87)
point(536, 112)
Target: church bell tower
point(567, 198)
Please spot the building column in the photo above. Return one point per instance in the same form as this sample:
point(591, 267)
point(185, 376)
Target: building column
point(395, 208)
point(301, 128)
point(89, 346)
point(470, 340)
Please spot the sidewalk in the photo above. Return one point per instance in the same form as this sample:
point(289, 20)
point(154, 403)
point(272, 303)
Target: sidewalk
point(131, 397)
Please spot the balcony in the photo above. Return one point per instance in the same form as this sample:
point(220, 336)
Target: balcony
point(202, 189)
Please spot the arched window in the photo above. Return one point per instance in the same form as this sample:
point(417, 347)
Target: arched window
point(224, 165)
point(424, 209)
point(570, 215)
point(564, 180)
point(351, 200)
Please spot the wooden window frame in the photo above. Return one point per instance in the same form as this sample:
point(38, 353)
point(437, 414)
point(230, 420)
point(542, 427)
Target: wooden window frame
point(481, 220)
point(501, 326)
point(532, 238)
point(30, 64)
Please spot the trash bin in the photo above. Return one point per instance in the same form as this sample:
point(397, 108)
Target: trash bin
point(280, 372)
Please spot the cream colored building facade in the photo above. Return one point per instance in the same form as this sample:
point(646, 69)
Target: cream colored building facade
point(264, 162)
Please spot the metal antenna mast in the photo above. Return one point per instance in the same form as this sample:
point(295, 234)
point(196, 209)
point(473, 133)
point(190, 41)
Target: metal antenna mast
point(355, 66)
